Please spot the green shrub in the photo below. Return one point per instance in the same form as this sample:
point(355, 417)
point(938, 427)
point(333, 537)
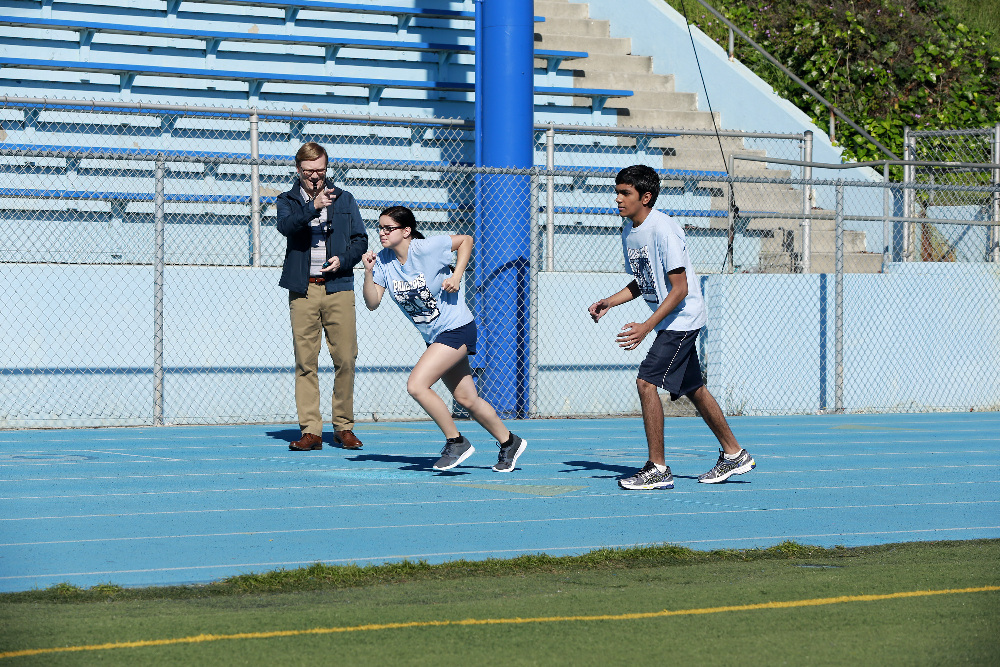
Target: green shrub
point(885, 64)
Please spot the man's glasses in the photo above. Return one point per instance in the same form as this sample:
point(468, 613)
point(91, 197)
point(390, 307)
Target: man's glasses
point(387, 230)
point(314, 172)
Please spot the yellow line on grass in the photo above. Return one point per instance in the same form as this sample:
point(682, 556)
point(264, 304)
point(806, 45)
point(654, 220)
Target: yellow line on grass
point(196, 639)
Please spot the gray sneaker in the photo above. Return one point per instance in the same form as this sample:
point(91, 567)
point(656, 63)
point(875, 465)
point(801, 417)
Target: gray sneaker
point(725, 468)
point(648, 478)
point(508, 455)
point(454, 453)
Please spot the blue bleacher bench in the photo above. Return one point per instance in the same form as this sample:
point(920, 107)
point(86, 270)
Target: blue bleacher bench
point(256, 80)
point(213, 39)
point(292, 8)
point(128, 197)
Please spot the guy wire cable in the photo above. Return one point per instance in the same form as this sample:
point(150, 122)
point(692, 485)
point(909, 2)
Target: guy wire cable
point(733, 208)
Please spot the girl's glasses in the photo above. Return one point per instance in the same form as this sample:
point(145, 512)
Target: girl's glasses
point(387, 230)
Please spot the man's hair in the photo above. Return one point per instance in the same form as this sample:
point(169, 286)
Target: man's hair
point(309, 152)
point(644, 179)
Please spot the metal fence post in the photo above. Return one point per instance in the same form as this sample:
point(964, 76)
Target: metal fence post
point(533, 268)
point(550, 199)
point(158, 271)
point(730, 265)
point(908, 194)
point(805, 262)
point(254, 191)
point(838, 369)
point(994, 234)
point(886, 225)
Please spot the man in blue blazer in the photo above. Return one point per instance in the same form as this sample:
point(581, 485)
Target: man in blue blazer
point(325, 240)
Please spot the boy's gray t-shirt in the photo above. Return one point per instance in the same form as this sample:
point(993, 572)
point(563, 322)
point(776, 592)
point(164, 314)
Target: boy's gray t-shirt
point(416, 286)
point(652, 249)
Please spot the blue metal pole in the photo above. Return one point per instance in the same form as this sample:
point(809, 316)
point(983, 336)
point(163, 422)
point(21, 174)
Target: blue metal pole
point(503, 234)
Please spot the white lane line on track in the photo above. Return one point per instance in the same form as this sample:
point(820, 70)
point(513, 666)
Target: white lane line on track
point(448, 481)
point(428, 503)
point(456, 524)
point(485, 553)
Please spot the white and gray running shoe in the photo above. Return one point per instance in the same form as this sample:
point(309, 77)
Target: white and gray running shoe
point(648, 478)
point(508, 454)
point(454, 453)
point(725, 468)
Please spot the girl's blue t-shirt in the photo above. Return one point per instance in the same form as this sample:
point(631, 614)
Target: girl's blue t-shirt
point(416, 286)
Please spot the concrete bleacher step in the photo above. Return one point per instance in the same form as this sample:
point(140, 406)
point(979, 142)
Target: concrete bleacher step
point(637, 83)
point(819, 241)
point(764, 197)
point(606, 63)
point(561, 10)
point(661, 101)
point(608, 45)
point(822, 262)
point(580, 27)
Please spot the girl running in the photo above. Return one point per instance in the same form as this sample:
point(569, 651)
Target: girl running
point(418, 274)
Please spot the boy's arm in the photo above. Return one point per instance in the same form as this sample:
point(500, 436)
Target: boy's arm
point(634, 332)
point(598, 309)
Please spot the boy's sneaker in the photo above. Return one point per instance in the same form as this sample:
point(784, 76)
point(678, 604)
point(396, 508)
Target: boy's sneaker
point(725, 468)
point(454, 453)
point(509, 453)
point(648, 478)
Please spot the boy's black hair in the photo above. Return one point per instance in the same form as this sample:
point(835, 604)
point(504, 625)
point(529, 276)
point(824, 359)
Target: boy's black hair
point(644, 179)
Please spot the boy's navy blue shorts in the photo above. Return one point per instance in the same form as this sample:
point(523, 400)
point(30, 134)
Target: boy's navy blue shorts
point(464, 335)
point(672, 363)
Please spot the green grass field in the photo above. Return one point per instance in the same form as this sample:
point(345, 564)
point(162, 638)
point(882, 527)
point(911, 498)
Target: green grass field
point(795, 605)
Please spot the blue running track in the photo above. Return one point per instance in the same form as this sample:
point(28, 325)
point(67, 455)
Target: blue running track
point(172, 505)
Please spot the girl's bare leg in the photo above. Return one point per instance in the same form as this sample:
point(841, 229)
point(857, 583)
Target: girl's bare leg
point(433, 364)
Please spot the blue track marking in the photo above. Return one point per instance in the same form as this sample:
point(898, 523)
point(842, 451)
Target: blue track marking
point(154, 506)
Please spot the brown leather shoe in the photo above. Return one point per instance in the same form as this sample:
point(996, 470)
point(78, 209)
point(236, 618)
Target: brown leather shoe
point(347, 439)
point(308, 441)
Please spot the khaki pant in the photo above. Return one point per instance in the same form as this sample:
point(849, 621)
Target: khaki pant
point(313, 314)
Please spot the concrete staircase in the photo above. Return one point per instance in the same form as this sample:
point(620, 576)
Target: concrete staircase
point(655, 103)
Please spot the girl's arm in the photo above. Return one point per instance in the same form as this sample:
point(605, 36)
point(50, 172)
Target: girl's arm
point(371, 290)
point(462, 244)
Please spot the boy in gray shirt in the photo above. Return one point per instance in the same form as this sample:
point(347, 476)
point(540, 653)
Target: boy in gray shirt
point(656, 255)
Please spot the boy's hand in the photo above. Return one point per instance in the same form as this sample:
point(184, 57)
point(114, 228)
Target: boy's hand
point(632, 334)
point(368, 259)
point(598, 309)
point(332, 264)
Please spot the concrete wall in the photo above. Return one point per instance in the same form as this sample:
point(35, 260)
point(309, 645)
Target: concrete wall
point(78, 345)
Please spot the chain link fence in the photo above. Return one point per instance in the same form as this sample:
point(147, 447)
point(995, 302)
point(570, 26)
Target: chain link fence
point(956, 152)
point(140, 260)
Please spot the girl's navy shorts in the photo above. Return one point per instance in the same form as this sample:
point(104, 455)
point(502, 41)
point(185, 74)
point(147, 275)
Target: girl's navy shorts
point(672, 363)
point(464, 335)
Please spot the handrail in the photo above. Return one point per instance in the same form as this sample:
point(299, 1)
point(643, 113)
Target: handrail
point(833, 109)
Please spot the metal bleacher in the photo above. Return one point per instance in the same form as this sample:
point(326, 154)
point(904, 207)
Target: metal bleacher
point(414, 61)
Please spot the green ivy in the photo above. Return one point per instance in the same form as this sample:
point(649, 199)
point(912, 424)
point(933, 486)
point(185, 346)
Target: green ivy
point(886, 64)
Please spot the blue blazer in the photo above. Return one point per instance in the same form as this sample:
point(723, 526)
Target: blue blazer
point(346, 238)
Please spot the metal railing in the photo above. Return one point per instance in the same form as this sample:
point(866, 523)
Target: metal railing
point(834, 111)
